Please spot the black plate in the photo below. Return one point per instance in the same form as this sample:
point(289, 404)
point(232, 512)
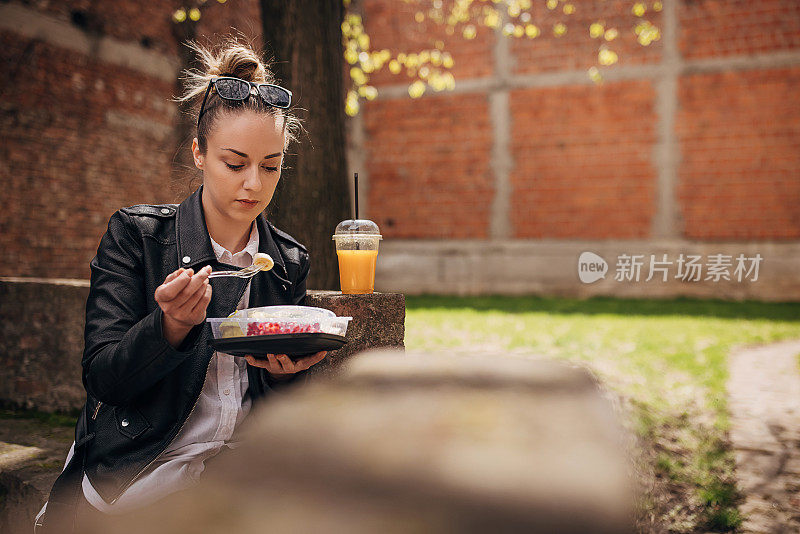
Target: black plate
point(294, 345)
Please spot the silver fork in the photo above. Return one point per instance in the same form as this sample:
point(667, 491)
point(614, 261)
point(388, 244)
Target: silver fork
point(247, 272)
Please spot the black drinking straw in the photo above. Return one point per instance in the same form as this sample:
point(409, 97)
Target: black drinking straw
point(356, 179)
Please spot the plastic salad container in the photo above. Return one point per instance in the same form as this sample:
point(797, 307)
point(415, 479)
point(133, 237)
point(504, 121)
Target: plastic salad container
point(272, 320)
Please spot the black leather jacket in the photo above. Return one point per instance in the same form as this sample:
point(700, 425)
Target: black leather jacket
point(140, 389)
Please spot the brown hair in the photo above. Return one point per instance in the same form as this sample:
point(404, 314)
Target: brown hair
point(230, 57)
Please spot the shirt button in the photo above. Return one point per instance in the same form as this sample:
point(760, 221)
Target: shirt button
point(165, 211)
point(186, 259)
point(125, 422)
point(227, 392)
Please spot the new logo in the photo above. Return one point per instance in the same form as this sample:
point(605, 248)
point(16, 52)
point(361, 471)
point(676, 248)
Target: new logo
point(591, 267)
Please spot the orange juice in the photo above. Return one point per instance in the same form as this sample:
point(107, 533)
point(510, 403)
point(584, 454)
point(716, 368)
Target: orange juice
point(357, 270)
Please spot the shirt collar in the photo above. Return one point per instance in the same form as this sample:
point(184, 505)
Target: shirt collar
point(194, 242)
point(226, 256)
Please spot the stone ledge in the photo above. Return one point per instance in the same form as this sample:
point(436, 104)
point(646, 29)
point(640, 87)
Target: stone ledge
point(378, 321)
point(40, 356)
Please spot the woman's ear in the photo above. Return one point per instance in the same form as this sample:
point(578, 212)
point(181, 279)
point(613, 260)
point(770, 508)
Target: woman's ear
point(196, 154)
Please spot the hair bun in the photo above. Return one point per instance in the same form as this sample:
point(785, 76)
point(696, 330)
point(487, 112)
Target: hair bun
point(229, 57)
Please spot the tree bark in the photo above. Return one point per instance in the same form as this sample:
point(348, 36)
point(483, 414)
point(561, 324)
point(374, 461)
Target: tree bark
point(305, 40)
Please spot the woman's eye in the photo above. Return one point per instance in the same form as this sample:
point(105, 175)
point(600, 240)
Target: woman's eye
point(233, 167)
point(270, 169)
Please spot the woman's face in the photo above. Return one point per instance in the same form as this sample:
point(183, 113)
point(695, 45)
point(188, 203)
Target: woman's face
point(242, 163)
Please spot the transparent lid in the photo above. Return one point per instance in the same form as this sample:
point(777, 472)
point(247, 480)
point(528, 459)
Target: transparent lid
point(360, 227)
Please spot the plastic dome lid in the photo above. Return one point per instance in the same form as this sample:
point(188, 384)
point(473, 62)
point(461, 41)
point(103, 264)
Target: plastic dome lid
point(360, 227)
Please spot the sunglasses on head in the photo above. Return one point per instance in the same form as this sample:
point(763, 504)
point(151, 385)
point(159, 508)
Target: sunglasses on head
point(238, 90)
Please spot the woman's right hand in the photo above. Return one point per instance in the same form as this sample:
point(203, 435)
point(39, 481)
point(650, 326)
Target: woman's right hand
point(183, 297)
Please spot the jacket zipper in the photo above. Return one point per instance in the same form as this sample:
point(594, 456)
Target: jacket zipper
point(196, 400)
point(128, 485)
point(96, 410)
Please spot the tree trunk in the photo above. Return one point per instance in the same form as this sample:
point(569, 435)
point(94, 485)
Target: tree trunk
point(305, 40)
point(184, 176)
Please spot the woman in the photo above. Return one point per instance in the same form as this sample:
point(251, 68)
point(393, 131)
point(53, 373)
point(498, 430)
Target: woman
point(160, 401)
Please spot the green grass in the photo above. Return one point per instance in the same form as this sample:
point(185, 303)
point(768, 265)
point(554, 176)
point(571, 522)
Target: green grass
point(667, 357)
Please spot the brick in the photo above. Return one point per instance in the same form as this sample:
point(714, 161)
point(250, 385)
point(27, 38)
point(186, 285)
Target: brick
point(429, 171)
point(739, 148)
point(568, 180)
point(716, 28)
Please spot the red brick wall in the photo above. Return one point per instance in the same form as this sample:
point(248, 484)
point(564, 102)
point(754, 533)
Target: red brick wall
point(712, 28)
point(740, 147)
point(576, 49)
point(425, 180)
point(568, 143)
point(584, 156)
point(81, 138)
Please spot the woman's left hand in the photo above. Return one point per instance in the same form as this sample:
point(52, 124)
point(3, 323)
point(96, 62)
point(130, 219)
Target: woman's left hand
point(281, 367)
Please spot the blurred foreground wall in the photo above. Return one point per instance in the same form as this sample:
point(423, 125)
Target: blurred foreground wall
point(418, 443)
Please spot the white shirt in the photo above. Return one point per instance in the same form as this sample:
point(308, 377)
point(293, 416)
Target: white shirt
point(221, 407)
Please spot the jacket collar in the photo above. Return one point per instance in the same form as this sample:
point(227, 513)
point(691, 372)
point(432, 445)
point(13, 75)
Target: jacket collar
point(194, 243)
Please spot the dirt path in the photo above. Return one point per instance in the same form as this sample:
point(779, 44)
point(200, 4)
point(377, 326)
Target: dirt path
point(764, 393)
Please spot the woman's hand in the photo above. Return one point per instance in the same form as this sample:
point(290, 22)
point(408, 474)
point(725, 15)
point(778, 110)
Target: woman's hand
point(281, 367)
point(183, 297)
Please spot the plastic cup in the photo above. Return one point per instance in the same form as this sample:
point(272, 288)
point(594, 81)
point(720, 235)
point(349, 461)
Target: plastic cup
point(357, 249)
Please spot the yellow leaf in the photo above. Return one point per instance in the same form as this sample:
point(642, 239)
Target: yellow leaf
point(532, 31)
point(552, 4)
point(179, 15)
point(419, 16)
point(351, 104)
point(596, 30)
point(395, 67)
point(194, 14)
point(611, 34)
point(559, 29)
point(595, 76)
point(416, 89)
point(447, 60)
point(607, 57)
point(358, 76)
point(639, 9)
point(569, 9)
point(469, 32)
point(350, 56)
point(492, 20)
